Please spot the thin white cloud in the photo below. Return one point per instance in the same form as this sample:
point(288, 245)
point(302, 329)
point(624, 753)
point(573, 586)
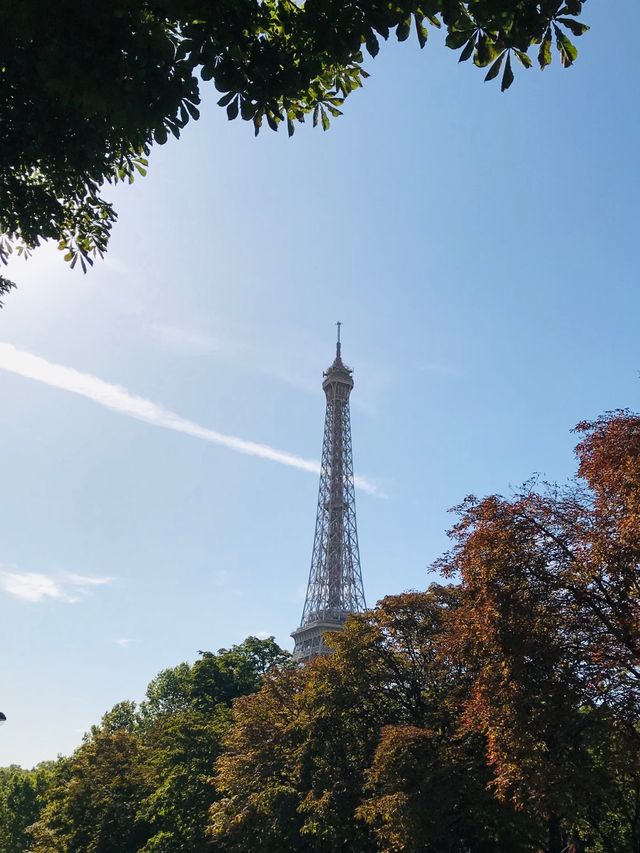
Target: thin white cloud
point(31, 586)
point(118, 399)
point(82, 580)
point(185, 340)
point(295, 378)
point(123, 642)
point(34, 587)
point(301, 374)
point(237, 348)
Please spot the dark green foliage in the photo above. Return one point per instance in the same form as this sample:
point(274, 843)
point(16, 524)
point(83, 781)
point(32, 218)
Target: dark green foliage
point(94, 805)
point(377, 749)
point(22, 796)
point(500, 714)
point(361, 752)
point(5, 251)
point(368, 751)
point(5, 287)
point(88, 90)
point(141, 780)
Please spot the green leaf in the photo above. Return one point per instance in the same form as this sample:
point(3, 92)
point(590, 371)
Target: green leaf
point(226, 99)
point(421, 31)
point(495, 68)
point(507, 77)
point(485, 51)
point(290, 127)
point(247, 110)
point(468, 50)
point(576, 27)
point(207, 72)
point(257, 122)
point(5, 287)
point(524, 58)
point(69, 256)
point(403, 29)
point(316, 111)
point(544, 54)
point(457, 38)
point(232, 109)
point(271, 121)
point(160, 135)
point(567, 50)
point(183, 49)
point(373, 46)
point(325, 119)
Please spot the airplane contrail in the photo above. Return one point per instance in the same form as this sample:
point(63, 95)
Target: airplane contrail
point(119, 399)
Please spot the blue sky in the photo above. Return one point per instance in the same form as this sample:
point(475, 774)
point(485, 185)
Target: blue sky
point(481, 251)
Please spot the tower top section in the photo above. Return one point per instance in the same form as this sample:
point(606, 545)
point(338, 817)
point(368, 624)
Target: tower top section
point(338, 378)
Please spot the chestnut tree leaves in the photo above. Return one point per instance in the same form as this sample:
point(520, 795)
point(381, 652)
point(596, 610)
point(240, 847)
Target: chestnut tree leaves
point(86, 92)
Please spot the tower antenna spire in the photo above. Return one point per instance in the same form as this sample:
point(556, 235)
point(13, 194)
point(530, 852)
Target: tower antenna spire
point(338, 324)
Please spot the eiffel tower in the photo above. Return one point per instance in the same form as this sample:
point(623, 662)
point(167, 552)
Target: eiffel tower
point(335, 587)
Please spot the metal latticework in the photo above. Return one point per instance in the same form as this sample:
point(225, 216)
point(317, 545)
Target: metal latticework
point(335, 581)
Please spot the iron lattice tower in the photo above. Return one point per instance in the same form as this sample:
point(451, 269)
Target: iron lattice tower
point(335, 587)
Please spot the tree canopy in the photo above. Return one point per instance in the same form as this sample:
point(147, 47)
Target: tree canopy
point(362, 751)
point(500, 711)
point(88, 90)
point(141, 779)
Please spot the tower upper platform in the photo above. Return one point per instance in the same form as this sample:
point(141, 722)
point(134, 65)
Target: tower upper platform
point(338, 373)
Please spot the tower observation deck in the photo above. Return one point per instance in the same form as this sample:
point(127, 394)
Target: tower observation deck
point(335, 587)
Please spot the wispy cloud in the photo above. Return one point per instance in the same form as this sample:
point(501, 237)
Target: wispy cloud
point(275, 362)
point(81, 581)
point(34, 586)
point(185, 340)
point(119, 399)
point(123, 642)
point(237, 346)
